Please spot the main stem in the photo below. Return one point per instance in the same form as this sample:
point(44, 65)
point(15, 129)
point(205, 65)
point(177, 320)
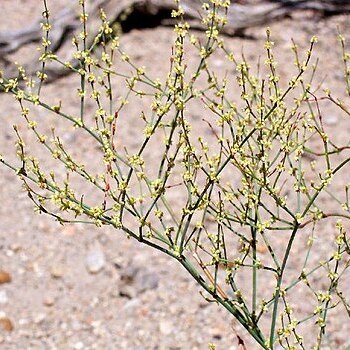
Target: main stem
point(253, 329)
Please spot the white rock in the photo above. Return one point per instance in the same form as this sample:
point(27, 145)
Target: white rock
point(165, 327)
point(9, 252)
point(23, 321)
point(132, 305)
point(3, 297)
point(95, 261)
point(39, 318)
point(79, 345)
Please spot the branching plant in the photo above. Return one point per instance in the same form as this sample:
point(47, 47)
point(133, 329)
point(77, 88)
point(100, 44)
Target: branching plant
point(230, 199)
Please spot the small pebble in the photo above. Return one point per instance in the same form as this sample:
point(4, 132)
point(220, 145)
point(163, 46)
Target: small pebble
point(9, 252)
point(127, 291)
point(5, 277)
point(147, 281)
point(132, 305)
point(141, 279)
point(129, 273)
point(6, 324)
point(165, 327)
point(3, 297)
point(95, 261)
point(57, 271)
point(15, 247)
point(96, 324)
point(118, 263)
point(39, 318)
point(79, 345)
point(23, 321)
point(49, 301)
point(95, 301)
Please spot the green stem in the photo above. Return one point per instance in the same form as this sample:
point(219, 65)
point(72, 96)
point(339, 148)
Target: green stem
point(279, 283)
point(253, 330)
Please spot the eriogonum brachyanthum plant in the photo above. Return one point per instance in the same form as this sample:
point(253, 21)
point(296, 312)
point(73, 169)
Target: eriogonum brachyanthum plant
point(228, 201)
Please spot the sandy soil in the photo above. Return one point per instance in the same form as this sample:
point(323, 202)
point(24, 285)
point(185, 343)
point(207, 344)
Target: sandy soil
point(139, 299)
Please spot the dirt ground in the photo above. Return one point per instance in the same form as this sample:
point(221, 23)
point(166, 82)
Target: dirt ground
point(135, 298)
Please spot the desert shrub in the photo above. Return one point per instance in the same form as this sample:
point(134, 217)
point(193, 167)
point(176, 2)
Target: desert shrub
point(228, 199)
